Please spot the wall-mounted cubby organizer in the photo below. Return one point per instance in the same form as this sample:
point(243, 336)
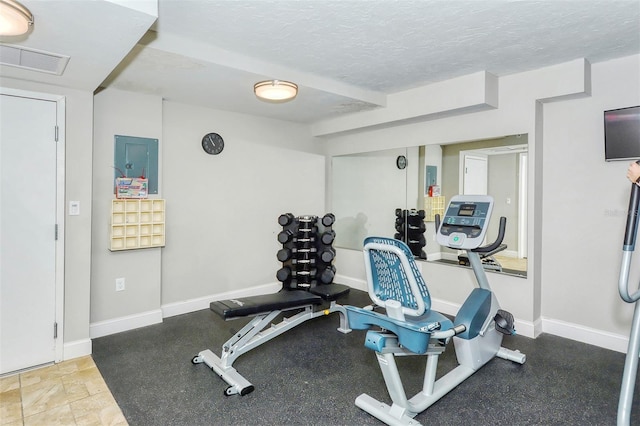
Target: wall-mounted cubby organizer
point(432, 207)
point(136, 224)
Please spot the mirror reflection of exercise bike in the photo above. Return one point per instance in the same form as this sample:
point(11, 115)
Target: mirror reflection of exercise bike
point(633, 350)
point(409, 327)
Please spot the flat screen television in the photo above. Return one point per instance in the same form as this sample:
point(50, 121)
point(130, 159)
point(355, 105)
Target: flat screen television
point(622, 134)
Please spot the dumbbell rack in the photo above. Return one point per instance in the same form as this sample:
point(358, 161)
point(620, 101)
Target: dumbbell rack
point(410, 228)
point(307, 251)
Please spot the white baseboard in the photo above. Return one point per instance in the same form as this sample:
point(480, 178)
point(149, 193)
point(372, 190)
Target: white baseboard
point(580, 333)
point(126, 323)
point(76, 349)
point(351, 282)
point(444, 307)
point(192, 305)
point(529, 329)
point(434, 256)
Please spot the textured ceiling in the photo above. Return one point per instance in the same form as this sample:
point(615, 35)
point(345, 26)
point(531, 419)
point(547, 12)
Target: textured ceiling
point(395, 45)
point(345, 55)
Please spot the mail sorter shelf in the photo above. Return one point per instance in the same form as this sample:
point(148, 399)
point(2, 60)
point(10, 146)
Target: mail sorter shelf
point(136, 224)
point(432, 207)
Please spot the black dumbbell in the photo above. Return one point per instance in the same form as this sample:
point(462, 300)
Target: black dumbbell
point(285, 219)
point(327, 255)
point(285, 236)
point(307, 219)
point(420, 226)
point(286, 272)
point(285, 254)
point(328, 219)
point(327, 275)
point(328, 237)
point(310, 261)
point(417, 240)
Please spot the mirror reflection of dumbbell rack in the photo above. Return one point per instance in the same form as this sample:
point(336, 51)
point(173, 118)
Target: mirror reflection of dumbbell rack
point(307, 250)
point(410, 228)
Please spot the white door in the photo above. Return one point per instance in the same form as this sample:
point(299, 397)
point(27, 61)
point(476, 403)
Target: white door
point(27, 232)
point(475, 175)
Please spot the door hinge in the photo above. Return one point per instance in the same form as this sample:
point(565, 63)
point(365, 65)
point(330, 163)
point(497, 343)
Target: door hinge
point(57, 129)
point(55, 330)
point(56, 232)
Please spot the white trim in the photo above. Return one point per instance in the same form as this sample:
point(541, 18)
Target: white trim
point(126, 323)
point(523, 159)
point(509, 253)
point(444, 307)
point(351, 282)
point(60, 219)
point(77, 348)
point(434, 256)
point(580, 333)
point(192, 305)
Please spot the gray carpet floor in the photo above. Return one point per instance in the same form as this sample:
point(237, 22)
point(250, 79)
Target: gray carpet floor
point(312, 374)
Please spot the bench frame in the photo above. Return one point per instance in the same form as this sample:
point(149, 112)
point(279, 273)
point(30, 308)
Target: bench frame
point(257, 332)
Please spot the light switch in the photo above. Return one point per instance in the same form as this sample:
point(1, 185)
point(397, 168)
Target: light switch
point(74, 208)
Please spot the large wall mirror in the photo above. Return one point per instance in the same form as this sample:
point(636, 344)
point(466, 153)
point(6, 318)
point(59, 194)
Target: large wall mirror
point(368, 188)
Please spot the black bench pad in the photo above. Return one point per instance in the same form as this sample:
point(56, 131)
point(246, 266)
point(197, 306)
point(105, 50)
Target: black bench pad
point(246, 306)
point(330, 291)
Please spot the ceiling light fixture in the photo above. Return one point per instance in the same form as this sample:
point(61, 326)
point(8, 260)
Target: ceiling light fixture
point(275, 90)
point(15, 19)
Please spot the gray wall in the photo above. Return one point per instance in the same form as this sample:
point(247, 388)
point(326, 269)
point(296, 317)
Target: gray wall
point(576, 199)
point(221, 211)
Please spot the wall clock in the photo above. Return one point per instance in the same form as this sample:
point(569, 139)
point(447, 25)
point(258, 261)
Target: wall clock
point(212, 143)
point(401, 162)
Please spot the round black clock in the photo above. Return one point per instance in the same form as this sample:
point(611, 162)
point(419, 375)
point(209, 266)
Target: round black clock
point(212, 143)
point(401, 162)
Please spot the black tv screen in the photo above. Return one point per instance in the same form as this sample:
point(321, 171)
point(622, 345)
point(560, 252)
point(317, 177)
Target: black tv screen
point(622, 134)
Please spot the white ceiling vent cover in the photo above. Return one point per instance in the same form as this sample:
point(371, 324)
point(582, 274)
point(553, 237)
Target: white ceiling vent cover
point(31, 59)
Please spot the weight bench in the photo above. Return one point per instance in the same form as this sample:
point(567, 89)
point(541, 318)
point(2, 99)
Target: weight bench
point(264, 309)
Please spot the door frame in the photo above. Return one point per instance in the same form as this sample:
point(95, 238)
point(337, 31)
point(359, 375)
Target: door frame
point(523, 243)
point(462, 166)
point(60, 205)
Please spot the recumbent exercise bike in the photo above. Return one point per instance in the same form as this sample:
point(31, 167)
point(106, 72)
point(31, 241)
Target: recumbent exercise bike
point(409, 327)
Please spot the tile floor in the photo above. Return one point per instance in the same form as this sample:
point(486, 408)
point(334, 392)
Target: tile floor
point(69, 393)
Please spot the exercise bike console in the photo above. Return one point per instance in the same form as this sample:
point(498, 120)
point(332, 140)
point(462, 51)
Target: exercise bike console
point(465, 222)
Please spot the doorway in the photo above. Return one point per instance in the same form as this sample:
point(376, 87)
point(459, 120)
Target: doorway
point(475, 179)
point(31, 229)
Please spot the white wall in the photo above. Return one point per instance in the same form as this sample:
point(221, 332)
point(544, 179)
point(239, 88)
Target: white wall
point(221, 229)
point(585, 203)
point(571, 285)
point(222, 210)
point(118, 112)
